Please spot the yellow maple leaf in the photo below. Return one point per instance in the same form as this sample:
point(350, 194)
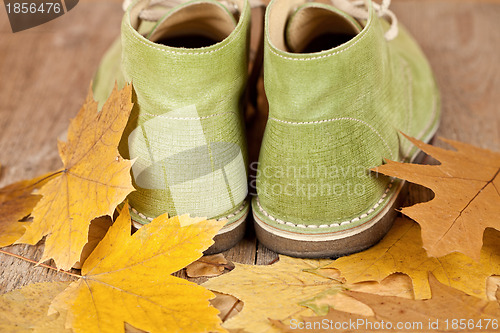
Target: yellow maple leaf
point(401, 251)
point(94, 180)
point(17, 202)
point(467, 196)
point(271, 291)
point(293, 288)
point(127, 279)
point(25, 309)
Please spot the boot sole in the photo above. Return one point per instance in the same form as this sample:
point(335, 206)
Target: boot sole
point(336, 244)
point(230, 234)
point(332, 244)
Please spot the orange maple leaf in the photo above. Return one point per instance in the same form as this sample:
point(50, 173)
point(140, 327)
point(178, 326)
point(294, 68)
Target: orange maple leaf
point(94, 180)
point(467, 196)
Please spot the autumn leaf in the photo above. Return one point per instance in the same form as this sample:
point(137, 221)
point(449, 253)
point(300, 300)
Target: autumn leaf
point(128, 279)
point(446, 304)
point(94, 180)
point(492, 286)
point(97, 230)
point(25, 309)
point(228, 306)
point(17, 202)
point(271, 291)
point(399, 285)
point(293, 288)
point(401, 251)
point(467, 196)
point(209, 266)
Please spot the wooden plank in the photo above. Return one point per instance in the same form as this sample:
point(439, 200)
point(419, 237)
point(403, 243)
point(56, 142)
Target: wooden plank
point(45, 73)
point(462, 43)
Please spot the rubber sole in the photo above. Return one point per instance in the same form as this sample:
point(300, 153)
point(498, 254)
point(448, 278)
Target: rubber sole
point(335, 244)
point(228, 236)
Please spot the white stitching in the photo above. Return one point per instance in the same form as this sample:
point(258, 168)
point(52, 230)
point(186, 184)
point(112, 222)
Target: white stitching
point(337, 119)
point(379, 202)
point(186, 118)
point(233, 214)
point(337, 224)
point(318, 57)
point(175, 52)
point(144, 216)
point(219, 219)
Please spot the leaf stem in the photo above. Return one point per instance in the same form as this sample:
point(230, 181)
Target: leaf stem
point(44, 178)
point(39, 264)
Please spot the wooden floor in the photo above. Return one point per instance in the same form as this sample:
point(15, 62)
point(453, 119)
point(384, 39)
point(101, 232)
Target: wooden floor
point(45, 73)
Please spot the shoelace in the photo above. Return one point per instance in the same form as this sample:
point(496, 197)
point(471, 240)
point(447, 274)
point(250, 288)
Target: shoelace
point(151, 12)
point(358, 10)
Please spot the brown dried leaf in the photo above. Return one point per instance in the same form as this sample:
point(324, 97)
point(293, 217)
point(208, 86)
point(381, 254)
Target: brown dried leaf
point(446, 304)
point(399, 285)
point(467, 196)
point(97, 230)
point(229, 306)
point(209, 266)
point(492, 285)
point(131, 329)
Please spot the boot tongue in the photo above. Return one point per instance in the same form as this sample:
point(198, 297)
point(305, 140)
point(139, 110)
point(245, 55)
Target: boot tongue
point(194, 25)
point(316, 27)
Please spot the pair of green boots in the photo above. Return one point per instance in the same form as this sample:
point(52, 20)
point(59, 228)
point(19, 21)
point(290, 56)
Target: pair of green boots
point(343, 79)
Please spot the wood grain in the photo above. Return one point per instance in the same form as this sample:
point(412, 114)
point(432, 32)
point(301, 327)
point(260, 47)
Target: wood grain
point(45, 74)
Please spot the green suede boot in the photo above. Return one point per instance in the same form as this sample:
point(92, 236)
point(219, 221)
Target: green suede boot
point(188, 65)
point(342, 81)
